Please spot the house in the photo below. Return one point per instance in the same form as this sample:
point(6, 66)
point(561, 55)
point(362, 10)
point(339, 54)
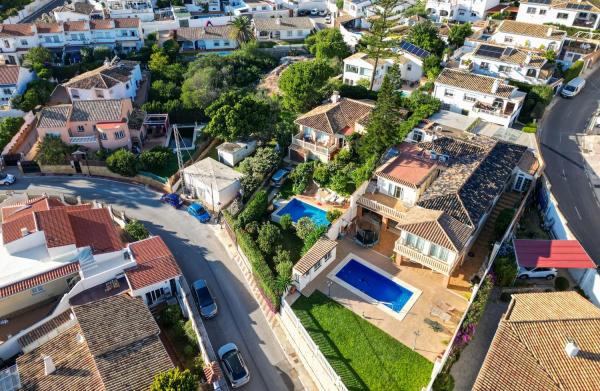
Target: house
point(522, 65)
point(255, 8)
point(108, 344)
point(212, 182)
point(123, 33)
point(95, 124)
point(458, 10)
point(484, 97)
point(544, 341)
point(583, 14)
point(356, 8)
point(431, 199)
point(443, 122)
point(323, 129)
point(313, 262)
point(231, 153)
point(282, 29)
point(116, 79)
point(529, 35)
point(206, 38)
point(13, 82)
point(77, 11)
point(134, 9)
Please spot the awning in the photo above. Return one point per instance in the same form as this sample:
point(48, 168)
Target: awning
point(560, 254)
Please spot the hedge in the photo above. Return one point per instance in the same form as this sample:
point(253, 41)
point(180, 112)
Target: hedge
point(573, 71)
point(255, 210)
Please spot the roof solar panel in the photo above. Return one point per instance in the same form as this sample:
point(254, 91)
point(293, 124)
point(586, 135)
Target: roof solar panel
point(575, 6)
point(410, 48)
point(490, 51)
point(539, 1)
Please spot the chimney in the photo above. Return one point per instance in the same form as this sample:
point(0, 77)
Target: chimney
point(571, 348)
point(528, 58)
point(80, 338)
point(335, 97)
point(49, 367)
point(549, 32)
point(24, 232)
point(495, 86)
point(278, 21)
point(106, 61)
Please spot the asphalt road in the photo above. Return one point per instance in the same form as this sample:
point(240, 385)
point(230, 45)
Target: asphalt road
point(45, 9)
point(200, 255)
point(564, 163)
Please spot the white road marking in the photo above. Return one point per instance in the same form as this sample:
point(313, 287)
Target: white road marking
point(578, 214)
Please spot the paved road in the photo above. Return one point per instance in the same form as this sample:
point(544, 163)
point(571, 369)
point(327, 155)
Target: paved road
point(564, 163)
point(200, 255)
point(45, 9)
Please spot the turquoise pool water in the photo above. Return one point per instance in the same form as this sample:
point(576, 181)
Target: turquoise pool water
point(298, 209)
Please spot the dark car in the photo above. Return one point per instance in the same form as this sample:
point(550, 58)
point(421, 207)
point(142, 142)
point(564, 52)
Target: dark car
point(235, 367)
point(205, 300)
point(172, 199)
point(279, 177)
point(197, 210)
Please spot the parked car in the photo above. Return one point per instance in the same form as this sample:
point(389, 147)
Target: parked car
point(205, 300)
point(172, 199)
point(322, 12)
point(314, 12)
point(573, 88)
point(198, 211)
point(279, 177)
point(235, 367)
point(328, 19)
point(303, 12)
point(7, 179)
point(549, 273)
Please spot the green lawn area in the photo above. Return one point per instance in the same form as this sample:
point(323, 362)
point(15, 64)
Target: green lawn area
point(292, 243)
point(365, 357)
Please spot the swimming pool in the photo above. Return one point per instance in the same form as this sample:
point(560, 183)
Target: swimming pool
point(375, 285)
point(298, 209)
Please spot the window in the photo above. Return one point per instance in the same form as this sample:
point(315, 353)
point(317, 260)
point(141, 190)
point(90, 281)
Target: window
point(80, 128)
point(415, 242)
point(469, 98)
point(317, 265)
point(562, 15)
point(542, 11)
point(327, 256)
point(473, 14)
point(438, 252)
point(127, 85)
point(47, 39)
point(100, 94)
point(6, 43)
point(225, 43)
point(417, 136)
point(24, 42)
point(289, 33)
point(448, 93)
point(504, 68)
point(75, 93)
point(119, 135)
point(484, 65)
point(508, 39)
point(216, 43)
point(532, 73)
point(36, 290)
point(531, 10)
point(103, 136)
point(409, 67)
point(55, 39)
point(351, 68)
point(7, 91)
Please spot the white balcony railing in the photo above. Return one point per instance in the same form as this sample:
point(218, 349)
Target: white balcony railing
point(381, 208)
point(83, 140)
point(415, 256)
point(496, 113)
point(314, 148)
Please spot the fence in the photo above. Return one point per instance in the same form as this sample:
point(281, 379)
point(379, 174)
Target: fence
point(313, 360)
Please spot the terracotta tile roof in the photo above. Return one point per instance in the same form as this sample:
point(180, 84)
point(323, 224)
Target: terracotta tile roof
point(40, 279)
point(530, 29)
point(121, 23)
point(292, 23)
point(11, 230)
point(45, 328)
point(529, 163)
point(102, 24)
point(105, 76)
point(528, 350)
point(76, 25)
point(472, 82)
point(48, 28)
point(444, 231)
point(9, 74)
point(316, 252)
point(334, 117)
point(95, 228)
point(19, 209)
point(54, 116)
point(208, 32)
point(155, 263)
point(16, 30)
point(56, 226)
point(408, 168)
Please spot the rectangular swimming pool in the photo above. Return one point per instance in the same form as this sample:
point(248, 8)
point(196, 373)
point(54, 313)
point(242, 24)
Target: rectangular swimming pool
point(298, 209)
point(375, 285)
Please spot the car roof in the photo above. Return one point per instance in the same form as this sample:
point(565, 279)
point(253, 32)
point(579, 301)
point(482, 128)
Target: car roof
point(197, 206)
point(226, 348)
point(199, 284)
point(576, 81)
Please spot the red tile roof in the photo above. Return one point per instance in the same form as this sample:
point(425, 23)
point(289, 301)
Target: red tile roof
point(56, 226)
point(11, 230)
point(562, 254)
point(16, 30)
point(94, 228)
point(21, 209)
point(126, 22)
point(101, 24)
point(48, 28)
point(155, 263)
point(40, 279)
point(9, 74)
point(407, 168)
point(76, 25)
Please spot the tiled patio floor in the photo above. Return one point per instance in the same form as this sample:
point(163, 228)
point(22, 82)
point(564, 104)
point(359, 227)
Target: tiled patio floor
point(412, 330)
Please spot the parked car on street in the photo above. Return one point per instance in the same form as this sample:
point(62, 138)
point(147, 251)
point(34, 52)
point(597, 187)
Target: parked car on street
point(197, 210)
point(279, 177)
point(234, 365)
point(314, 12)
point(205, 300)
point(573, 88)
point(549, 273)
point(172, 199)
point(6, 179)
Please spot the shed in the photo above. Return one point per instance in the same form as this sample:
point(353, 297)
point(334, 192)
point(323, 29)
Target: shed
point(212, 182)
point(560, 254)
point(231, 153)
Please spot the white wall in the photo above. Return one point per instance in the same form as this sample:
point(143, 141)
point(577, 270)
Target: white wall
point(543, 13)
point(527, 41)
point(409, 195)
point(301, 280)
point(517, 72)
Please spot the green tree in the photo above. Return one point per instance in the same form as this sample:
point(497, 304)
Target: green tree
point(417, 9)
point(284, 274)
point(432, 67)
point(241, 29)
point(321, 174)
point(52, 150)
point(301, 176)
point(286, 222)
point(302, 84)
point(174, 380)
point(333, 214)
point(269, 236)
point(312, 238)
point(136, 230)
point(542, 93)
point(458, 33)
point(263, 162)
point(155, 158)
point(254, 210)
point(163, 90)
point(304, 226)
point(122, 162)
point(425, 36)
point(9, 126)
point(38, 59)
point(378, 42)
point(327, 44)
point(38, 93)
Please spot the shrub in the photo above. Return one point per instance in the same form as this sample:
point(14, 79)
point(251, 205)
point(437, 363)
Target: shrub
point(8, 128)
point(282, 256)
point(312, 238)
point(443, 382)
point(248, 185)
point(52, 150)
point(174, 380)
point(573, 71)
point(304, 226)
point(269, 236)
point(263, 162)
point(561, 284)
point(333, 214)
point(136, 230)
point(122, 162)
point(188, 328)
point(155, 158)
point(302, 176)
point(502, 222)
point(505, 269)
point(255, 210)
point(171, 316)
point(530, 129)
point(286, 222)
point(321, 174)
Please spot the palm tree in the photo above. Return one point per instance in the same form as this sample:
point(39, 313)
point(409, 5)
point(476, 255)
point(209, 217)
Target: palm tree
point(241, 29)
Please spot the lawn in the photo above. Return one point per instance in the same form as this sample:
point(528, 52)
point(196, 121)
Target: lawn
point(170, 168)
point(365, 357)
point(292, 243)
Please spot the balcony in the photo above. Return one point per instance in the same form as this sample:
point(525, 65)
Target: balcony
point(485, 108)
point(425, 260)
point(83, 140)
point(314, 147)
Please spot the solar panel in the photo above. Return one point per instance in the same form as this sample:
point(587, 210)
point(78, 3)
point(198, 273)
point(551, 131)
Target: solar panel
point(417, 51)
point(490, 51)
point(539, 1)
point(574, 6)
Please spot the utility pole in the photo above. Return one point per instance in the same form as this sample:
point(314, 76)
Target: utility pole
point(179, 158)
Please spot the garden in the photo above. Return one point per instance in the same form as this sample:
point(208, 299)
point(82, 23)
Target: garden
point(365, 357)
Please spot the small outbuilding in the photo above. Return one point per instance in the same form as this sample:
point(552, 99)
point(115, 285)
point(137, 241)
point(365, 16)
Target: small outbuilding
point(212, 182)
point(231, 153)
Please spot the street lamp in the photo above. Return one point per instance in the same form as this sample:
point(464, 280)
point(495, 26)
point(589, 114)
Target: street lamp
point(329, 284)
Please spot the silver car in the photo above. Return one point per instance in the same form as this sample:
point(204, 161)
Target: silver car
point(234, 365)
point(6, 179)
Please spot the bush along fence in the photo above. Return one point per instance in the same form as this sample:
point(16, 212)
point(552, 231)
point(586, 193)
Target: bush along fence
point(441, 378)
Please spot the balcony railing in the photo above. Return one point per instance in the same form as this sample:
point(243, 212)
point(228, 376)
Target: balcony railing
point(83, 140)
point(313, 147)
point(380, 208)
point(415, 256)
point(495, 112)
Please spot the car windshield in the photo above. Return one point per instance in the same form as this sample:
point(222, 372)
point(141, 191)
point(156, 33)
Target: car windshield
point(2, 175)
point(570, 88)
point(233, 362)
point(204, 297)
point(200, 210)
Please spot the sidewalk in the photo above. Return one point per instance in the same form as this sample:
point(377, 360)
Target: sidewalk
point(272, 319)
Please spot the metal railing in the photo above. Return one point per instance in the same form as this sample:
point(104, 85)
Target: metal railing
point(315, 148)
point(425, 260)
point(381, 208)
point(83, 140)
point(497, 112)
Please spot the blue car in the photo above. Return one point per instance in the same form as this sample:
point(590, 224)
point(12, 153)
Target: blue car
point(172, 199)
point(204, 299)
point(198, 211)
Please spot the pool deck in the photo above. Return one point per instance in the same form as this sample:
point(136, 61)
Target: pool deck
point(412, 331)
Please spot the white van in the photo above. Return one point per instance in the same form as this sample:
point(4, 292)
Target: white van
point(573, 88)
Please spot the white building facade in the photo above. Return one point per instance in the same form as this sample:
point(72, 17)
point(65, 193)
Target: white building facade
point(459, 10)
point(580, 14)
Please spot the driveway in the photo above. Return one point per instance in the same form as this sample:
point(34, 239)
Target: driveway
point(564, 163)
point(200, 255)
point(42, 10)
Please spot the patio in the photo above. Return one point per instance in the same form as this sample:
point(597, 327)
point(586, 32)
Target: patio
point(414, 331)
